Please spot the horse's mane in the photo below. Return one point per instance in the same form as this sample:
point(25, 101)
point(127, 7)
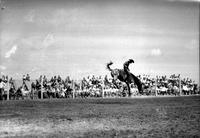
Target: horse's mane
point(108, 65)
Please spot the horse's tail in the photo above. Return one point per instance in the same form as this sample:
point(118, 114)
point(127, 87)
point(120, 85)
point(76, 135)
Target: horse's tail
point(108, 65)
point(137, 82)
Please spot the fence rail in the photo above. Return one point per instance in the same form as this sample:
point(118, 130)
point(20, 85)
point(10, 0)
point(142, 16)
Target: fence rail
point(105, 92)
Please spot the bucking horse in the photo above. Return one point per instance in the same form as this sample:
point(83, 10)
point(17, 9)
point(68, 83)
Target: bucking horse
point(124, 75)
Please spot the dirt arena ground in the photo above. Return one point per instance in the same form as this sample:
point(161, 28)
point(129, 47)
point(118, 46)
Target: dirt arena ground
point(126, 117)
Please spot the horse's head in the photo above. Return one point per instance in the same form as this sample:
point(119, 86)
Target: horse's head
point(115, 74)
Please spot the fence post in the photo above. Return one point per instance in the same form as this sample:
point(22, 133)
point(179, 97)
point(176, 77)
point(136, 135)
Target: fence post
point(180, 89)
point(80, 86)
point(156, 86)
point(103, 90)
point(42, 88)
point(8, 88)
point(73, 87)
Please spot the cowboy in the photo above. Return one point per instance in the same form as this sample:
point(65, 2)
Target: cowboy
point(126, 66)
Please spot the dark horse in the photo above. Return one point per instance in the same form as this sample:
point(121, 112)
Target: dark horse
point(124, 76)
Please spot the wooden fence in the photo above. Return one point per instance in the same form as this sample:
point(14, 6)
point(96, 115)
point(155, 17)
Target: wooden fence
point(103, 89)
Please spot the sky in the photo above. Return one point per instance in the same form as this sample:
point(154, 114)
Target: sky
point(78, 37)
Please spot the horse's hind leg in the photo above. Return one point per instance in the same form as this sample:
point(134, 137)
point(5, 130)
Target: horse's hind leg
point(129, 90)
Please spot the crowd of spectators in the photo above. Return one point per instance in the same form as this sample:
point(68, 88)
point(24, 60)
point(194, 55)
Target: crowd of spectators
point(92, 86)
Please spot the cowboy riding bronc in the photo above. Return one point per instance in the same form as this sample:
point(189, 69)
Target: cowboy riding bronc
point(125, 75)
point(126, 66)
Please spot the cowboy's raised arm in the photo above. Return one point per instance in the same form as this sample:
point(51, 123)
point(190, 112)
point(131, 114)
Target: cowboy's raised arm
point(126, 64)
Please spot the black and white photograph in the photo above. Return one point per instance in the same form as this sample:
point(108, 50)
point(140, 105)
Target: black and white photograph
point(99, 68)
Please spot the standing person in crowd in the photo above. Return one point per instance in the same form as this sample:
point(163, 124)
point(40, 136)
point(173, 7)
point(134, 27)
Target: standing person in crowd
point(24, 79)
point(3, 78)
point(6, 79)
point(40, 79)
point(27, 77)
point(59, 79)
